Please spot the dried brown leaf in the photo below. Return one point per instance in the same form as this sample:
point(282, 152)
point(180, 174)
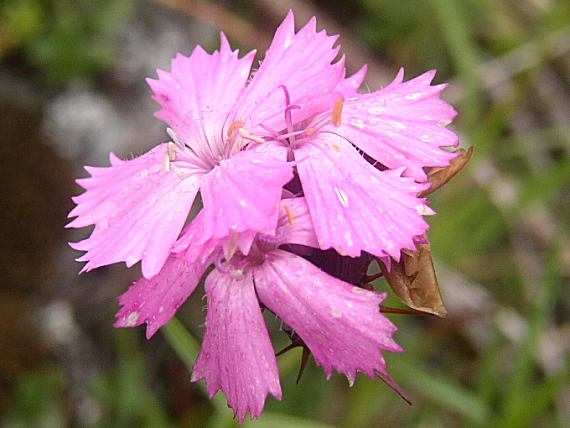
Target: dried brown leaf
point(438, 177)
point(413, 279)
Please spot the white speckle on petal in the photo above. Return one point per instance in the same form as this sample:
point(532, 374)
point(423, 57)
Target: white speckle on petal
point(424, 210)
point(237, 274)
point(397, 125)
point(413, 96)
point(357, 123)
point(174, 137)
point(336, 313)
point(132, 319)
point(377, 109)
point(348, 238)
point(242, 203)
point(342, 197)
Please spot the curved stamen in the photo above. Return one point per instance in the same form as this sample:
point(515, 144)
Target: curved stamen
point(281, 137)
point(287, 96)
point(288, 108)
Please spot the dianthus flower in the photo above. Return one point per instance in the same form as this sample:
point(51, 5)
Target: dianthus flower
point(303, 181)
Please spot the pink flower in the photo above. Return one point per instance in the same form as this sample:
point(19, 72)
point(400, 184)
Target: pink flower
point(295, 127)
point(231, 142)
point(340, 323)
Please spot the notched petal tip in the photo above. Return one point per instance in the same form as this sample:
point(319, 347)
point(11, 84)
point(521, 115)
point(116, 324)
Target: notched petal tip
point(351, 330)
point(155, 301)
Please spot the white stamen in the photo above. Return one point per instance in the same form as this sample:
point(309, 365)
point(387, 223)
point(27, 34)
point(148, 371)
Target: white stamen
point(348, 238)
point(166, 162)
point(174, 137)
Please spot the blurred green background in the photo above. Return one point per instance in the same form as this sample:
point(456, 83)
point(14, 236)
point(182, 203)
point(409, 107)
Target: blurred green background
point(72, 88)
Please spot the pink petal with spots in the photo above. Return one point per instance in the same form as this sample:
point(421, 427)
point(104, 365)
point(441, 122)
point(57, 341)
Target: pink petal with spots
point(138, 208)
point(303, 63)
point(242, 193)
point(295, 225)
point(237, 356)
point(402, 125)
point(198, 93)
point(340, 323)
point(155, 301)
point(354, 206)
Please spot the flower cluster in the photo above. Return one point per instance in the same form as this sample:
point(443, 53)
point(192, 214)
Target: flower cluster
point(303, 181)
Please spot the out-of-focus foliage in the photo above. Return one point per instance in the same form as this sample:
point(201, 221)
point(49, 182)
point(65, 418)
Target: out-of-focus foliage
point(500, 239)
point(64, 39)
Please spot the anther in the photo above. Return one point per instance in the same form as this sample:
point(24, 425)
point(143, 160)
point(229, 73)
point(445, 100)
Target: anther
point(290, 216)
point(235, 127)
point(337, 112)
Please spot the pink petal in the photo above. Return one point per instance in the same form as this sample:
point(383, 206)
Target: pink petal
point(192, 244)
point(295, 225)
point(242, 193)
point(349, 86)
point(340, 323)
point(237, 356)
point(402, 125)
point(354, 206)
point(303, 63)
point(198, 93)
point(156, 300)
point(138, 208)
